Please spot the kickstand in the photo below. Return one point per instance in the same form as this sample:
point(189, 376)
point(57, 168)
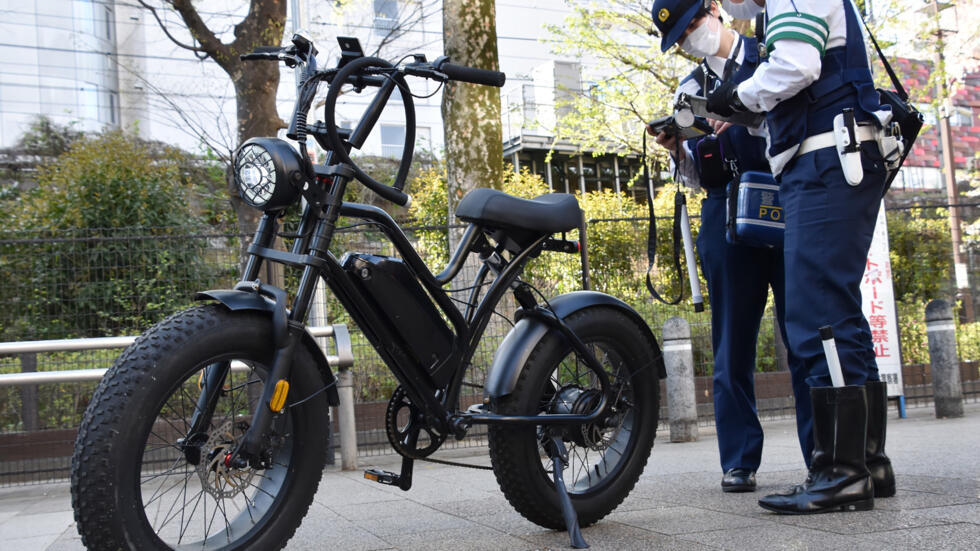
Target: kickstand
point(559, 458)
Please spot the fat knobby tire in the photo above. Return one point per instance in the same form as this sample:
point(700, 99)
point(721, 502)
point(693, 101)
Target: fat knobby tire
point(105, 466)
point(514, 450)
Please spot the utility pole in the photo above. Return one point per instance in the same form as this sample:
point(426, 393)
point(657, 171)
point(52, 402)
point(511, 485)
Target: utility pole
point(949, 171)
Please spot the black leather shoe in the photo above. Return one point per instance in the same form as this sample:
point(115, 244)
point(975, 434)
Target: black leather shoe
point(738, 480)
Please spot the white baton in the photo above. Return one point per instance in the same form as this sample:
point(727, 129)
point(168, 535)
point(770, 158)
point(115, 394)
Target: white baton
point(830, 351)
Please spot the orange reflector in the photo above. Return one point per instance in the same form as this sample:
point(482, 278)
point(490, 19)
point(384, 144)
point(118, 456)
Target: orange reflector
point(278, 400)
point(200, 381)
point(370, 476)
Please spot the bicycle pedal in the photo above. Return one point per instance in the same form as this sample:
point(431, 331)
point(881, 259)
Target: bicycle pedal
point(382, 477)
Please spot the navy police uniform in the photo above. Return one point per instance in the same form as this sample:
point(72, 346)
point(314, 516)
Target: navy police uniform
point(818, 68)
point(829, 224)
point(738, 278)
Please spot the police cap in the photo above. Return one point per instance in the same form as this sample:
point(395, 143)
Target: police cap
point(672, 17)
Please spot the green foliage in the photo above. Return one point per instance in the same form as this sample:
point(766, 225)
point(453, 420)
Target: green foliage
point(100, 281)
point(968, 341)
point(47, 138)
point(920, 245)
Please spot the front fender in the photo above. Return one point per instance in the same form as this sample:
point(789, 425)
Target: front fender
point(236, 300)
point(517, 346)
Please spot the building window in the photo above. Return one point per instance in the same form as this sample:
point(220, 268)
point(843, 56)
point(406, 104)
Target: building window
point(961, 116)
point(88, 102)
point(423, 138)
point(559, 178)
point(607, 176)
point(392, 140)
point(113, 108)
point(385, 15)
point(107, 23)
point(591, 179)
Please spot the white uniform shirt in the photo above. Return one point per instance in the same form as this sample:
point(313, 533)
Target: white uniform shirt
point(797, 35)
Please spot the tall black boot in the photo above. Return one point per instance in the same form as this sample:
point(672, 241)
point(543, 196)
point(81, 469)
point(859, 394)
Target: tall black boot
point(882, 475)
point(839, 479)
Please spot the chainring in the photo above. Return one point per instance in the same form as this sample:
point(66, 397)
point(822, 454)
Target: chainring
point(398, 429)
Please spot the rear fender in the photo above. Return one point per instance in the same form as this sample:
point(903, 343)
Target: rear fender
point(236, 300)
point(517, 346)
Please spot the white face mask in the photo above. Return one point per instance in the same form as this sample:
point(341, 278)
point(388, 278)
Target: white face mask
point(741, 9)
point(705, 40)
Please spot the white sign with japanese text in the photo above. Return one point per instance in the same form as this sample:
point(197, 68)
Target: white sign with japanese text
point(878, 304)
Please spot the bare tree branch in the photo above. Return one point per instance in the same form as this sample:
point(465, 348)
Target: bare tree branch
point(216, 50)
point(166, 31)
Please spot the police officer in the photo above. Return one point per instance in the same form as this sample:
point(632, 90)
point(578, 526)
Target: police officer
point(738, 276)
point(817, 76)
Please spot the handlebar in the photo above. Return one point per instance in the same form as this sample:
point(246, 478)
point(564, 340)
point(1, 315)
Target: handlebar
point(473, 75)
point(360, 71)
point(263, 52)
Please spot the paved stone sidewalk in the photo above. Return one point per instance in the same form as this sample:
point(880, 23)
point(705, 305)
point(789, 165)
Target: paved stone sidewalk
point(676, 505)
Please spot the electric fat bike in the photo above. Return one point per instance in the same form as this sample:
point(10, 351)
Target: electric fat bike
point(208, 431)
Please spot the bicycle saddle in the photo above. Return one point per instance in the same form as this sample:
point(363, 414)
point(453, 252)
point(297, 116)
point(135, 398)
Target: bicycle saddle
point(549, 213)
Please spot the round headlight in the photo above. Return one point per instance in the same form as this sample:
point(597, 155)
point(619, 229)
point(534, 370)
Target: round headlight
point(268, 172)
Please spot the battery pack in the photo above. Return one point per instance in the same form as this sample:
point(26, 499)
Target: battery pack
point(758, 217)
point(400, 298)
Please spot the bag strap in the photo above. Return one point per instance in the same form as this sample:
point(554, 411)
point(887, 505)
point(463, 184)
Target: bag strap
point(731, 199)
point(760, 34)
point(884, 61)
point(652, 234)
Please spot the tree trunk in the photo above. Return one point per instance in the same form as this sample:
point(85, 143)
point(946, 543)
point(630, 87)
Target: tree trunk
point(471, 112)
point(256, 83)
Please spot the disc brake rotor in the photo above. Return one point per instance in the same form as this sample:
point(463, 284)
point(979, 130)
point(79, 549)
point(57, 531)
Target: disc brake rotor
point(218, 479)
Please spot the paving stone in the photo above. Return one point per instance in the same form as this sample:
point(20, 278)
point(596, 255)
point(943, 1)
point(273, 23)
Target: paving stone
point(774, 536)
point(420, 519)
point(470, 538)
point(681, 520)
point(859, 522)
point(29, 543)
point(906, 500)
point(321, 529)
point(41, 524)
point(676, 504)
point(969, 513)
point(930, 538)
point(613, 536)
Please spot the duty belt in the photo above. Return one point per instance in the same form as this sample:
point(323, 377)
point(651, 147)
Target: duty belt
point(826, 139)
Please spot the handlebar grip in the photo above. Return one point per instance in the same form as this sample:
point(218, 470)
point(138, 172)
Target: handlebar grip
point(263, 52)
point(396, 196)
point(472, 74)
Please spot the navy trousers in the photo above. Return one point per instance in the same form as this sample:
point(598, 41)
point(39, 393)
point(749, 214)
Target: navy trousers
point(738, 280)
point(829, 226)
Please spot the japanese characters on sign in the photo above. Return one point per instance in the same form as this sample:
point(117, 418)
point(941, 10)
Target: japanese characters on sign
point(878, 304)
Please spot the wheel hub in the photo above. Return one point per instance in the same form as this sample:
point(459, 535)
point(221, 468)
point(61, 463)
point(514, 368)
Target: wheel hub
point(578, 401)
point(219, 476)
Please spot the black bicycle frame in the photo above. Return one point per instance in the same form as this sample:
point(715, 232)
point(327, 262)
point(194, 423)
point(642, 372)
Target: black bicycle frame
point(468, 328)
point(311, 253)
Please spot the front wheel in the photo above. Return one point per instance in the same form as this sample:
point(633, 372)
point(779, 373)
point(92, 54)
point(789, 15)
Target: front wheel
point(141, 481)
point(606, 457)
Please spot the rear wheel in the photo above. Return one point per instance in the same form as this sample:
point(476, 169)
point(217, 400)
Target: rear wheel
point(605, 458)
point(140, 481)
